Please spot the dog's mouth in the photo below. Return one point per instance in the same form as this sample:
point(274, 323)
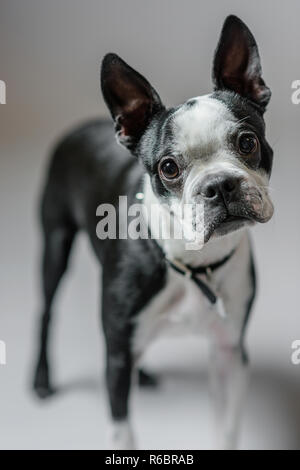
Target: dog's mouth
point(228, 223)
point(232, 223)
point(215, 220)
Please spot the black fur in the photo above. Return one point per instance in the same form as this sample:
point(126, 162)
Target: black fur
point(89, 168)
point(251, 116)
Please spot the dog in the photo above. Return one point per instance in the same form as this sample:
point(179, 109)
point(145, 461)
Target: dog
point(210, 153)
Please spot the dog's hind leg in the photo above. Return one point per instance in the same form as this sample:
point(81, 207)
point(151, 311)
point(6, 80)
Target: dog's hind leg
point(58, 238)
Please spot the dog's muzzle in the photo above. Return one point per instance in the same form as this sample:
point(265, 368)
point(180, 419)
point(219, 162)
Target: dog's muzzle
point(231, 201)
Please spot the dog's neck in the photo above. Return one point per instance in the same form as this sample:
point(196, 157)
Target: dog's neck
point(214, 250)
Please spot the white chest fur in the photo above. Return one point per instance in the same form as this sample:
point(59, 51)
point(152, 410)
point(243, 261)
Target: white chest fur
point(182, 308)
point(179, 308)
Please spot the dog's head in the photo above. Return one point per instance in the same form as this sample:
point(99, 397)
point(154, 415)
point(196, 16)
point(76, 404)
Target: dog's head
point(211, 150)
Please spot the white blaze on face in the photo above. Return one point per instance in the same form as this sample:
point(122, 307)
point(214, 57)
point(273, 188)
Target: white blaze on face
point(201, 134)
point(203, 128)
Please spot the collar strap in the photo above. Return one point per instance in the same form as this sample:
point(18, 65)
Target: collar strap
point(211, 267)
point(191, 273)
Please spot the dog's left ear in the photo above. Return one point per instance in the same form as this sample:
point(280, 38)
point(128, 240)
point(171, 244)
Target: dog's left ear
point(130, 98)
point(237, 63)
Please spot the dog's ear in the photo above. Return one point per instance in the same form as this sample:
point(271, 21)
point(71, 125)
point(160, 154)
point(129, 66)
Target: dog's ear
point(130, 98)
point(237, 63)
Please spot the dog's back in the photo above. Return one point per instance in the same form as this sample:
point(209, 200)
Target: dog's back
point(87, 168)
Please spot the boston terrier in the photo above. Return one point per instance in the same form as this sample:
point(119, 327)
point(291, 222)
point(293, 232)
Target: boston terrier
point(209, 153)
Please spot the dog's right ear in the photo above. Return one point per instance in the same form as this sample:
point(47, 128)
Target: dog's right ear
point(130, 98)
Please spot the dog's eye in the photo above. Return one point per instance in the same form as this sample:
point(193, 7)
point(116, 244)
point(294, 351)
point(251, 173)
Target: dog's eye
point(247, 143)
point(169, 169)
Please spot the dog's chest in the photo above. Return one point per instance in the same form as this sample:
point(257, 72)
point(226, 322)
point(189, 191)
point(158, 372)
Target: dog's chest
point(179, 308)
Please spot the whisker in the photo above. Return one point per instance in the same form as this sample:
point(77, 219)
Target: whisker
point(242, 119)
point(269, 188)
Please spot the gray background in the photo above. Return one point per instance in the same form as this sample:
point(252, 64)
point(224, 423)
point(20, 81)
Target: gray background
point(50, 54)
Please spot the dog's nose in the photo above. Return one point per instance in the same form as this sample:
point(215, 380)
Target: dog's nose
point(220, 187)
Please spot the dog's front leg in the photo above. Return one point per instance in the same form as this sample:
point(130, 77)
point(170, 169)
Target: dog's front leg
point(229, 374)
point(118, 376)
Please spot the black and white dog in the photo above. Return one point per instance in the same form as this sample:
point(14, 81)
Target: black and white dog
point(210, 152)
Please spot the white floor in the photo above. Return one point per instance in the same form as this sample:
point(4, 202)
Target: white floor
point(177, 415)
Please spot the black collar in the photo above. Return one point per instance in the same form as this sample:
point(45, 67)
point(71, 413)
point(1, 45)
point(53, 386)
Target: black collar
point(191, 272)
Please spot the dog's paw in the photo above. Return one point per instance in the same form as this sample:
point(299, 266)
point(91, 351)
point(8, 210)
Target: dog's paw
point(41, 384)
point(121, 436)
point(44, 392)
point(147, 380)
